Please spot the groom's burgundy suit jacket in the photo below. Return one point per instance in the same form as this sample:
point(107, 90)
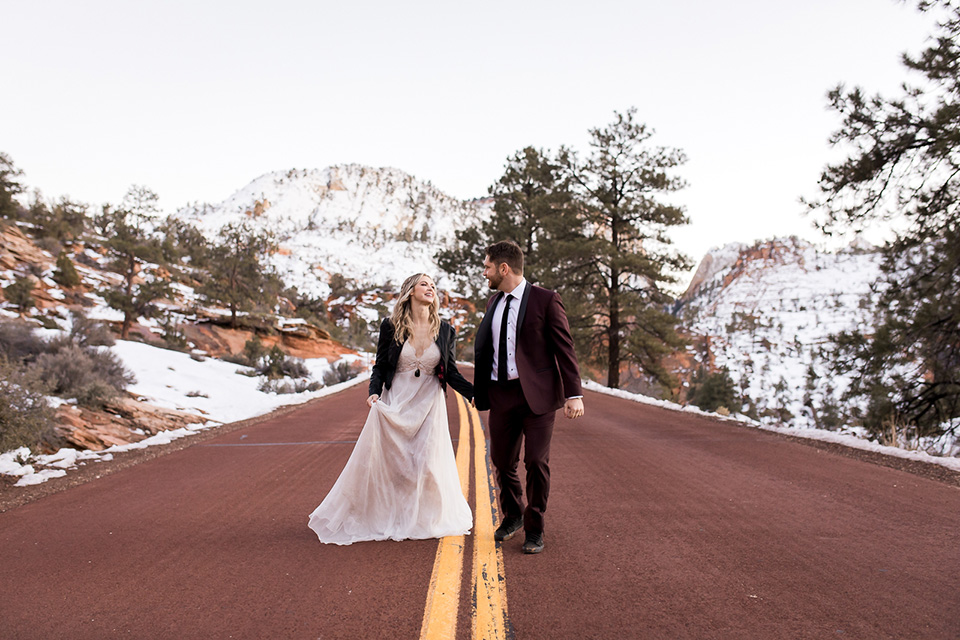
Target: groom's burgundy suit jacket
point(546, 361)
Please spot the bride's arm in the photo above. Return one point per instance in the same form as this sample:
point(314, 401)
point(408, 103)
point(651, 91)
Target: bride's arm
point(454, 377)
point(381, 364)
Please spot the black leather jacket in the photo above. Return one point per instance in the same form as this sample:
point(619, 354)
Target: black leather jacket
point(388, 353)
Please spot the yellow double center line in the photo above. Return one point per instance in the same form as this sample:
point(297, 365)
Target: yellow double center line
point(489, 615)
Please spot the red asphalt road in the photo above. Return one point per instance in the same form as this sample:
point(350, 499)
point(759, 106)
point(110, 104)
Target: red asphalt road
point(661, 525)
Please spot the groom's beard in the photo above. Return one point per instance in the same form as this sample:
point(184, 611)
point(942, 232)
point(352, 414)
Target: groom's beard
point(494, 281)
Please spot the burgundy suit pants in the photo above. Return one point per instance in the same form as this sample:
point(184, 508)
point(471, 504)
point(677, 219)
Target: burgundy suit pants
point(512, 423)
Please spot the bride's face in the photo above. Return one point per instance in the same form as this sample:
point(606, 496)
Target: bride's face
point(424, 292)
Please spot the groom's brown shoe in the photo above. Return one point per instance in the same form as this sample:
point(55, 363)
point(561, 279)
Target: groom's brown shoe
point(533, 543)
point(507, 529)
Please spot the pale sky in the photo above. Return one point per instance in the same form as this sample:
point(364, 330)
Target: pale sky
point(195, 99)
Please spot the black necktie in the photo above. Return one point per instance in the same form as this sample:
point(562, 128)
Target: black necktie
point(502, 349)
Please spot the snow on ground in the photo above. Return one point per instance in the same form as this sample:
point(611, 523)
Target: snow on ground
point(211, 388)
point(847, 439)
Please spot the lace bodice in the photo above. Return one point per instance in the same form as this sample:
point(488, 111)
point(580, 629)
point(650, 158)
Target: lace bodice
point(427, 362)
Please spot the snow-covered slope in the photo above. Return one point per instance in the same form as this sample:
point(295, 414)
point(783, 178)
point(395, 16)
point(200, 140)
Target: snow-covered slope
point(767, 312)
point(375, 226)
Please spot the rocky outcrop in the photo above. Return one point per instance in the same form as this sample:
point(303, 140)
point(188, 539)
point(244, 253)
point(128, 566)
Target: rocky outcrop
point(17, 251)
point(297, 340)
point(124, 420)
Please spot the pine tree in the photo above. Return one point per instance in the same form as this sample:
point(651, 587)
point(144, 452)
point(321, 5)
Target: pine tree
point(65, 274)
point(532, 204)
point(904, 165)
point(132, 244)
point(65, 220)
point(9, 188)
point(711, 390)
point(238, 277)
point(593, 231)
point(20, 293)
point(183, 242)
point(621, 255)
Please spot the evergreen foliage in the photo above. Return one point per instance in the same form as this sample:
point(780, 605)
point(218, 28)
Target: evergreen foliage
point(253, 350)
point(712, 390)
point(622, 255)
point(65, 274)
point(10, 187)
point(20, 293)
point(63, 221)
point(183, 242)
point(132, 243)
point(904, 167)
point(238, 276)
point(534, 206)
point(594, 230)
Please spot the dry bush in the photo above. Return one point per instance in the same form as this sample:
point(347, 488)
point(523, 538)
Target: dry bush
point(91, 376)
point(26, 420)
point(19, 341)
point(90, 333)
point(341, 372)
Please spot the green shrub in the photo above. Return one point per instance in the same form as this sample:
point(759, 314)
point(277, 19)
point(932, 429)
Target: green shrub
point(710, 391)
point(253, 350)
point(20, 293)
point(65, 274)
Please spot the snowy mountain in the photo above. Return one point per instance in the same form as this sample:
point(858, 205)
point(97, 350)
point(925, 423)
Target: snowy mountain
point(375, 226)
point(766, 311)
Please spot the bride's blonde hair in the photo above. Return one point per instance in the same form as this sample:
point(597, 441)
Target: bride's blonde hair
point(402, 317)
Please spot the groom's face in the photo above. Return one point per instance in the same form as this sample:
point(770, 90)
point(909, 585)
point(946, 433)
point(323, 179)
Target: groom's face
point(491, 273)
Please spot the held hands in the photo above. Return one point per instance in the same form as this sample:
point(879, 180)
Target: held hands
point(372, 400)
point(573, 408)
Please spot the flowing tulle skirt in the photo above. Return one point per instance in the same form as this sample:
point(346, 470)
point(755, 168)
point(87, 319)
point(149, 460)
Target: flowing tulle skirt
point(401, 480)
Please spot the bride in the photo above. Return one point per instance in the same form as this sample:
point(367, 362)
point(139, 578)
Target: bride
point(401, 480)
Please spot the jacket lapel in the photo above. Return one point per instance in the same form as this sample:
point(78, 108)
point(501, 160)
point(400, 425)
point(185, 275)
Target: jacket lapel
point(485, 331)
point(523, 306)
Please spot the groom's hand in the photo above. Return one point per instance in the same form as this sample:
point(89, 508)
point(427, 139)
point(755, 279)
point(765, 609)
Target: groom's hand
point(573, 408)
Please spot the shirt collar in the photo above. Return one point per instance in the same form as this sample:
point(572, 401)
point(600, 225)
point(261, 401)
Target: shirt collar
point(518, 292)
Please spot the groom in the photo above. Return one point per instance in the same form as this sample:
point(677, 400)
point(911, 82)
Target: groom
point(526, 369)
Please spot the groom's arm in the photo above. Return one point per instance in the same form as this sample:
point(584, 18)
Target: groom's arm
point(558, 333)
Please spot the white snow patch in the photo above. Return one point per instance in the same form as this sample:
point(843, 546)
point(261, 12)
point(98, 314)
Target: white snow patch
point(851, 441)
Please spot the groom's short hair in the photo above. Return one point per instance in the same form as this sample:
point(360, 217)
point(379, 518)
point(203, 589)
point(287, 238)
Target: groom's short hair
point(507, 251)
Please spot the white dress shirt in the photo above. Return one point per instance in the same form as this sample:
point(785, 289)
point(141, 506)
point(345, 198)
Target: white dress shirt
point(512, 315)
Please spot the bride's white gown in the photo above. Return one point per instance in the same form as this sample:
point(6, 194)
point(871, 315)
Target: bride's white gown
point(401, 480)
